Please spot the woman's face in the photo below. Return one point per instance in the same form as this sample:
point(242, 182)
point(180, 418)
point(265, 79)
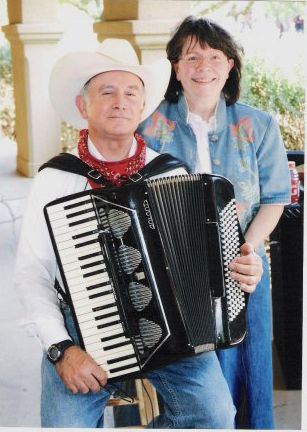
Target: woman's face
point(202, 71)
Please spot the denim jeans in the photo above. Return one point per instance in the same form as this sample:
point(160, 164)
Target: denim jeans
point(194, 392)
point(248, 367)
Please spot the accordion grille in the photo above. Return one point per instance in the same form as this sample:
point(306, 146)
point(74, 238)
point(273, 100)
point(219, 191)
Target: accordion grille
point(175, 202)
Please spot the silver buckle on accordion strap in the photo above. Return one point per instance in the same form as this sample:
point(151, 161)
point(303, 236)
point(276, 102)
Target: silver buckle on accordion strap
point(94, 174)
point(135, 177)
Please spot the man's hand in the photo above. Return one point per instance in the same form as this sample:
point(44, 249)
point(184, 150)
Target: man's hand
point(79, 372)
point(247, 268)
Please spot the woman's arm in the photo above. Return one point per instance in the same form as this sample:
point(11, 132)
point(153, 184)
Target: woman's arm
point(263, 223)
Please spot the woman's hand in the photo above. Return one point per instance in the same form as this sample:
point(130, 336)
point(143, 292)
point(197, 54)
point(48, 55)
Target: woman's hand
point(247, 268)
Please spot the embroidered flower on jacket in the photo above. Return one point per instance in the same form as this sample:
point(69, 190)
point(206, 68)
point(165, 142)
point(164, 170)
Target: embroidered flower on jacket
point(243, 132)
point(160, 128)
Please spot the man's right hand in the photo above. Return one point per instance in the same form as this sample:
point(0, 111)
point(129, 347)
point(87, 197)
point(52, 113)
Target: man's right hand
point(79, 372)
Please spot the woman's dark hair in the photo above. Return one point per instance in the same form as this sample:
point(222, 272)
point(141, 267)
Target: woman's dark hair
point(205, 32)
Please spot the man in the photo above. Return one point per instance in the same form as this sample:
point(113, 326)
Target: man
point(109, 93)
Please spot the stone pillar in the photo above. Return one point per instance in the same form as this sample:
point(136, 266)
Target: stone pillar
point(146, 24)
point(33, 33)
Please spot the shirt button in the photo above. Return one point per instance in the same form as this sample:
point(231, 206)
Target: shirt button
point(214, 138)
point(216, 162)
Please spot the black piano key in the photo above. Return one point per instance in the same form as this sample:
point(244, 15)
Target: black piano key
point(92, 264)
point(93, 273)
point(99, 308)
point(79, 245)
point(99, 285)
point(122, 368)
point(79, 213)
point(76, 204)
point(85, 234)
point(99, 317)
point(100, 294)
point(117, 345)
point(81, 221)
point(101, 326)
point(126, 357)
point(91, 255)
point(109, 338)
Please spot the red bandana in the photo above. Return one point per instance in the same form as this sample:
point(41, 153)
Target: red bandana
point(116, 172)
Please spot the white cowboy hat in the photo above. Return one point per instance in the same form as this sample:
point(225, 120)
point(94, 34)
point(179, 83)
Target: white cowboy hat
point(73, 70)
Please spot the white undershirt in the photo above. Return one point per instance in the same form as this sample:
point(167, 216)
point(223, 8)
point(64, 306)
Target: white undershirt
point(97, 155)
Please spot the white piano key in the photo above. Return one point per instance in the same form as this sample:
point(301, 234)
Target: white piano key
point(85, 302)
point(122, 363)
point(88, 225)
point(75, 243)
point(69, 255)
point(88, 324)
point(58, 207)
point(110, 354)
point(79, 295)
point(73, 265)
point(79, 272)
point(63, 222)
point(63, 214)
point(103, 289)
point(101, 277)
point(112, 330)
point(118, 335)
point(88, 306)
point(82, 233)
point(92, 315)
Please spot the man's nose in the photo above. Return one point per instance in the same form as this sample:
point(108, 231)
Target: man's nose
point(119, 101)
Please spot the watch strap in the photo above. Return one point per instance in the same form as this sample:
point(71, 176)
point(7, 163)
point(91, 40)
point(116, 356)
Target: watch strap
point(60, 347)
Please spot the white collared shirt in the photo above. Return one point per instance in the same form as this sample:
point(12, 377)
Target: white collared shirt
point(97, 155)
point(201, 128)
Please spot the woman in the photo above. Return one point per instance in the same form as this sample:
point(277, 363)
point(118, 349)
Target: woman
point(202, 122)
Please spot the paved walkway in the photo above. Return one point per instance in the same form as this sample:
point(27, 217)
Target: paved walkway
point(21, 353)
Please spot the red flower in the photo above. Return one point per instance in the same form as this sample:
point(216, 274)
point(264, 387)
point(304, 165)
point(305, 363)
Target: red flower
point(243, 131)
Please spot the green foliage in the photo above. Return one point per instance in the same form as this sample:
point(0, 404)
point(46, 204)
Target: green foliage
point(92, 8)
point(7, 106)
point(269, 91)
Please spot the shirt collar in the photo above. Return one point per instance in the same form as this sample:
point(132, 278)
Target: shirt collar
point(97, 155)
point(219, 116)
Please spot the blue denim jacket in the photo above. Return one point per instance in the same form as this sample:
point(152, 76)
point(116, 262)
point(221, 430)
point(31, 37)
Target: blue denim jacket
point(246, 148)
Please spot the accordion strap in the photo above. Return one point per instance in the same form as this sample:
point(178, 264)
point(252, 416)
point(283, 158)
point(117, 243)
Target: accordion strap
point(68, 162)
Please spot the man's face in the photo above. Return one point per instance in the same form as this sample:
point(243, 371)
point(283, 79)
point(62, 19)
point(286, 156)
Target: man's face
point(112, 105)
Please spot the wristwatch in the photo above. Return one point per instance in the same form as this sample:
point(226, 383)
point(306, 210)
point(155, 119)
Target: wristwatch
point(55, 351)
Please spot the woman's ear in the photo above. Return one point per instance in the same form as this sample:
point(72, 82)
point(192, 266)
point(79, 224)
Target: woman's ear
point(175, 67)
point(230, 64)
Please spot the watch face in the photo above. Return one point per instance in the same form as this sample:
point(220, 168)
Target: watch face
point(53, 353)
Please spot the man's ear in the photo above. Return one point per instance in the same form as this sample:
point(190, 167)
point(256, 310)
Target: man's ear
point(81, 105)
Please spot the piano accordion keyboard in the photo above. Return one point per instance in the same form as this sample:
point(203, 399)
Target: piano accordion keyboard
point(75, 231)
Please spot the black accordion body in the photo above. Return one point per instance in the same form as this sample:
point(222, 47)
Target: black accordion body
point(145, 267)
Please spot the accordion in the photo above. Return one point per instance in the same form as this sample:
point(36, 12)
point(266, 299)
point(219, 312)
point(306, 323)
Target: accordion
point(145, 267)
